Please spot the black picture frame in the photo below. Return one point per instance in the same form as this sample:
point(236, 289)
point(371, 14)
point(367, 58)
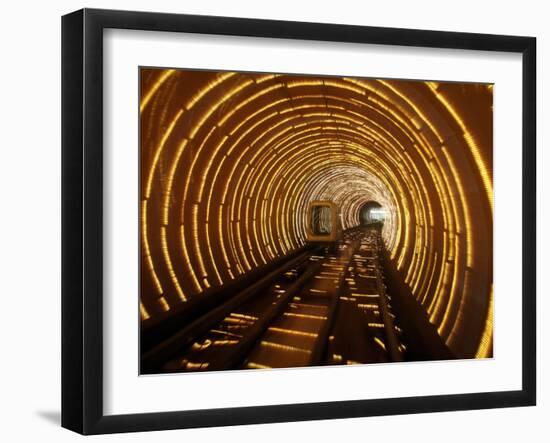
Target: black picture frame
point(82, 220)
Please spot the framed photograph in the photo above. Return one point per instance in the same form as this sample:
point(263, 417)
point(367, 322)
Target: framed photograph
point(270, 221)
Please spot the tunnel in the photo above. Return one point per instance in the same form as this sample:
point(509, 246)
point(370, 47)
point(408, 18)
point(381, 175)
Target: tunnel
point(371, 212)
point(231, 164)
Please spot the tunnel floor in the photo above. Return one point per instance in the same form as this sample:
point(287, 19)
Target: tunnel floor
point(330, 308)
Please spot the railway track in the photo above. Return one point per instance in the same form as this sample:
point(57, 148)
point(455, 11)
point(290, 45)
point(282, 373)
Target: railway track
point(326, 308)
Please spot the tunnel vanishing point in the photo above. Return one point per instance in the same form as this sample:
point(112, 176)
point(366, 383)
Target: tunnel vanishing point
point(292, 220)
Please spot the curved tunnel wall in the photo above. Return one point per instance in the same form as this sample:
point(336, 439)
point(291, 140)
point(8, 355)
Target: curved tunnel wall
point(230, 161)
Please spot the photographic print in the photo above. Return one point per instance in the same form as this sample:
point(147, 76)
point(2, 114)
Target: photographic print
point(298, 220)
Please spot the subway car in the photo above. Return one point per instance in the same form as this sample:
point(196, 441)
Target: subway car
point(323, 222)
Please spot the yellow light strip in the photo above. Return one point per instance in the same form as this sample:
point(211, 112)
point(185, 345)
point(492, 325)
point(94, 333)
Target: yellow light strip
point(293, 332)
point(158, 151)
point(286, 348)
point(168, 261)
point(147, 97)
point(147, 252)
point(485, 349)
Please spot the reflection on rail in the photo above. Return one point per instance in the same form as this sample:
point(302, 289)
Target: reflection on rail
point(330, 307)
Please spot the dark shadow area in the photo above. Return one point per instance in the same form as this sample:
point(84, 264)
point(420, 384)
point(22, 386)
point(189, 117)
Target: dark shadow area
point(423, 341)
point(54, 417)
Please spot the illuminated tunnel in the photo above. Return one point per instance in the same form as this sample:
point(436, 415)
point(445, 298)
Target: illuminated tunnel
point(230, 162)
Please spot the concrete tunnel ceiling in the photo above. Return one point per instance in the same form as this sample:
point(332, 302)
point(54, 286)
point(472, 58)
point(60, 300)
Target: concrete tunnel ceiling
point(230, 162)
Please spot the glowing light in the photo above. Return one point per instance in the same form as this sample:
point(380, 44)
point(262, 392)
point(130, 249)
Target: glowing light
point(147, 97)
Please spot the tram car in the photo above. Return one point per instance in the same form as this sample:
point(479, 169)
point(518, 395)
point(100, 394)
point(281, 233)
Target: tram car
point(323, 222)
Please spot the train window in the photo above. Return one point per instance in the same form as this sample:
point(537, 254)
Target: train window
point(321, 220)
